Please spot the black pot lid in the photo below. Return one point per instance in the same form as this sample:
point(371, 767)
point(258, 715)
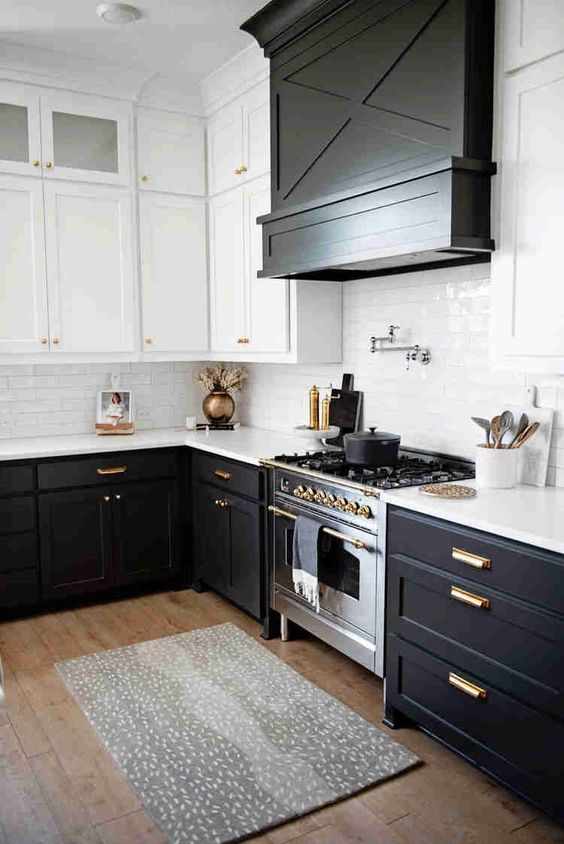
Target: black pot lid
point(372, 435)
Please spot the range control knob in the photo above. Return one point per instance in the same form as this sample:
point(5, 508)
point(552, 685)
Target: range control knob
point(330, 499)
point(341, 503)
point(309, 494)
point(364, 510)
point(352, 507)
point(299, 491)
point(319, 495)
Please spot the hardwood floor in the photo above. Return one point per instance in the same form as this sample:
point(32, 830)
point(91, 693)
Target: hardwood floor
point(59, 784)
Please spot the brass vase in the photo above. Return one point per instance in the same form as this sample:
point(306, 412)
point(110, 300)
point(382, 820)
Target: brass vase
point(218, 408)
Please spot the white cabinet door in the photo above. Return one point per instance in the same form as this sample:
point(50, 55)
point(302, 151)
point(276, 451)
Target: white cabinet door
point(225, 148)
point(268, 299)
point(23, 295)
point(20, 137)
point(171, 153)
point(528, 314)
point(256, 131)
point(85, 138)
point(90, 276)
point(227, 272)
point(533, 30)
point(174, 273)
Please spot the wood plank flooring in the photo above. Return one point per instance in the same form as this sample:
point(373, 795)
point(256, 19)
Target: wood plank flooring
point(58, 784)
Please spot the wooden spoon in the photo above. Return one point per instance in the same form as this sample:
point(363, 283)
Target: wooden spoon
point(523, 423)
point(526, 435)
point(494, 425)
point(485, 424)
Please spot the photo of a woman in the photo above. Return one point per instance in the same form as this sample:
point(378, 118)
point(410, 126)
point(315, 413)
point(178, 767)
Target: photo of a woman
point(116, 409)
point(115, 412)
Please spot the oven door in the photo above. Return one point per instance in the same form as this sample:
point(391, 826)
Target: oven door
point(346, 567)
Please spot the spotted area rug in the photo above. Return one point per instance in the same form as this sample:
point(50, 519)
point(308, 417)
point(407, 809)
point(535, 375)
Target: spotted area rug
point(220, 739)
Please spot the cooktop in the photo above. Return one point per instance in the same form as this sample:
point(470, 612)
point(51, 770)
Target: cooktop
point(413, 468)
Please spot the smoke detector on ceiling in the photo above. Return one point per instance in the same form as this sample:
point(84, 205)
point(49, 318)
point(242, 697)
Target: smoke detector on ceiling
point(118, 13)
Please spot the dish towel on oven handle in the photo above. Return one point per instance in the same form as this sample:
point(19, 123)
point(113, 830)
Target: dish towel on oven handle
point(304, 560)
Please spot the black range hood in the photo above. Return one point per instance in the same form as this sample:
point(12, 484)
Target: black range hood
point(381, 132)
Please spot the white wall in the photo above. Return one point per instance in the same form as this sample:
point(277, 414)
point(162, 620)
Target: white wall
point(57, 399)
point(430, 406)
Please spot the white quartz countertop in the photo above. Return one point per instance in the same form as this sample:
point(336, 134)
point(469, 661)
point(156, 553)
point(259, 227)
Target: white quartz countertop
point(530, 514)
point(246, 444)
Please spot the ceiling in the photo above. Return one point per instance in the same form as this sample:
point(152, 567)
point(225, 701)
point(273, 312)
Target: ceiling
point(191, 36)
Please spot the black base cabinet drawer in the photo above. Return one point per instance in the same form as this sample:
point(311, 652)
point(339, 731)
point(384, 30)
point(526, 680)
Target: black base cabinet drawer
point(511, 740)
point(16, 479)
point(517, 647)
point(19, 588)
point(529, 573)
point(228, 476)
point(108, 469)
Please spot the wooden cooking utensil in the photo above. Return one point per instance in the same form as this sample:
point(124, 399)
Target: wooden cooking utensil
point(523, 423)
point(526, 435)
point(494, 427)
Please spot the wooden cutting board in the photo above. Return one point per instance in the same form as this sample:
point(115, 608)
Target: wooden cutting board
point(533, 456)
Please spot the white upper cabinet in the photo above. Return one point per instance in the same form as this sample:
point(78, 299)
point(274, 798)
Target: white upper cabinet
point(268, 305)
point(171, 152)
point(238, 141)
point(533, 29)
point(85, 138)
point(24, 325)
point(174, 273)
point(20, 138)
point(91, 283)
point(227, 272)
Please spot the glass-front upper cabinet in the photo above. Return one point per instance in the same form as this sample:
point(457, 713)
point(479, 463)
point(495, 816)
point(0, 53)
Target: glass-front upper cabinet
point(20, 139)
point(85, 138)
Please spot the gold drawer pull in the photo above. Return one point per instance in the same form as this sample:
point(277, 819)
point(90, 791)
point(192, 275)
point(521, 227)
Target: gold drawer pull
point(112, 470)
point(470, 689)
point(471, 559)
point(469, 598)
point(222, 502)
point(219, 473)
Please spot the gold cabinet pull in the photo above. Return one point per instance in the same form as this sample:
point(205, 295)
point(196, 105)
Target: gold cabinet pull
point(56, 341)
point(44, 341)
point(36, 162)
point(222, 502)
point(469, 598)
point(48, 164)
point(242, 169)
point(219, 473)
point(106, 498)
point(336, 533)
point(243, 341)
point(144, 178)
point(149, 341)
point(471, 559)
point(117, 497)
point(470, 689)
point(112, 470)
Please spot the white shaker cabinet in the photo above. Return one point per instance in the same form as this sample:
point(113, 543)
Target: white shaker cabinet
point(171, 152)
point(20, 137)
point(85, 138)
point(24, 326)
point(91, 281)
point(174, 281)
point(227, 272)
point(238, 140)
point(528, 314)
point(532, 29)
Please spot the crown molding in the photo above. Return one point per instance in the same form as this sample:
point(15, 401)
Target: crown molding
point(243, 71)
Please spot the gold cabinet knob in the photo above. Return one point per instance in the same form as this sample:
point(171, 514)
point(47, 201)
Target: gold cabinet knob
point(36, 162)
point(55, 341)
point(242, 169)
point(237, 171)
point(243, 341)
point(149, 341)
point(364, 510)
point(144, 178)
point(44, 341)
point(48, 164)
point(118, 497)
point(106, 498)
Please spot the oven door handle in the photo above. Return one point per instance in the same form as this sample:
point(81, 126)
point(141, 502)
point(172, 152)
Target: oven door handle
point(337, 534)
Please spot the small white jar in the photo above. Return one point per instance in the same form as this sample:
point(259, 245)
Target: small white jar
point(191, 423)
point(496, 468)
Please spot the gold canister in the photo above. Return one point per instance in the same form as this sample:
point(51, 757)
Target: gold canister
point(325, 405)
point(314, 408)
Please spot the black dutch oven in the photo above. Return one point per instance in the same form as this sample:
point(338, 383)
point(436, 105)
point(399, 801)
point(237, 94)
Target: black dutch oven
point(371, 448)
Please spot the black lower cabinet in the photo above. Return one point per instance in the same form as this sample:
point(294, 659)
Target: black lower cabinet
point(145, 531)
point(469, 660)
point(76, 542)
point(228, 540)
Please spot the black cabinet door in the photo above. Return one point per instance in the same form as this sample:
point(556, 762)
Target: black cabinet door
point(245, 558)
point(76, 542)
point(212, 537)
point(145, 531)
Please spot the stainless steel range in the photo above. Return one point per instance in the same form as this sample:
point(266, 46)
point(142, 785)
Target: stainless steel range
point(351, 551)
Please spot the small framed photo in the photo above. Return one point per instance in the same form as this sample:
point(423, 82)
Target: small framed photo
point(114, 412)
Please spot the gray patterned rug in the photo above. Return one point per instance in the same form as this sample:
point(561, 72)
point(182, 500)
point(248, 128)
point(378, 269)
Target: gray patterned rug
point(220, 739)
